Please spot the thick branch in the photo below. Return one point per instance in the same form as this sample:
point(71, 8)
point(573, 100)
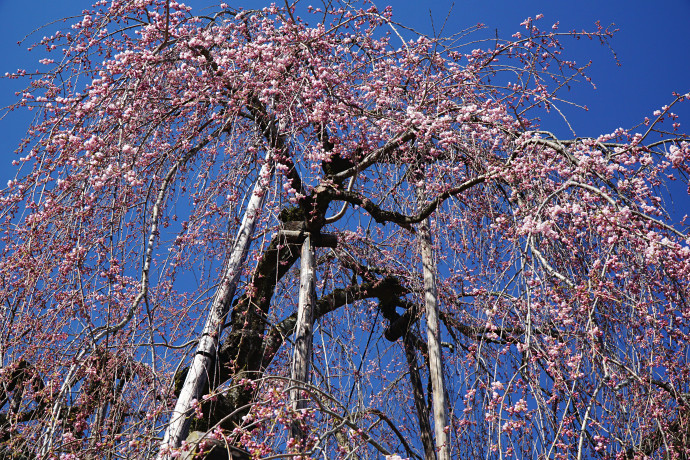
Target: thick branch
point(370, 159)
point(401, 324)
point(319, 240)
point(382, 216)
point(331, 302)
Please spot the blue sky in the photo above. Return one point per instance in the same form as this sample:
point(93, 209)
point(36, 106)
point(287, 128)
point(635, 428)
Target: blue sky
point(653, 47)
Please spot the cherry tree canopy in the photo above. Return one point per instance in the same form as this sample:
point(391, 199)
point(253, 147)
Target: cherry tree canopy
point(412, 165)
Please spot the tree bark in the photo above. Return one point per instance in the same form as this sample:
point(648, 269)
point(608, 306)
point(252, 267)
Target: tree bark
point(419, 402)
point(200, 371)
point(303, 332)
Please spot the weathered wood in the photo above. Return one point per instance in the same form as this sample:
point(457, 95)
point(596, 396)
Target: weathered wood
point(438, 390)
point(201, 369)
point(434, 343)
point(303, 331)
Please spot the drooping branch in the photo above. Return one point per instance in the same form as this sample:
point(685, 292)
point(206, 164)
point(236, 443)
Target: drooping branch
point(152, 236)
point(102, 387)
point(397, 432)
point(676, 432)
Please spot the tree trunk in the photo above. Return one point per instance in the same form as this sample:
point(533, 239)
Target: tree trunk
point(303, 332)
point(200, 370)
point(438, 390)
point(419, 402)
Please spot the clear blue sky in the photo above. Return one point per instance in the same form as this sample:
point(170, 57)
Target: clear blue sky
point(653, 46)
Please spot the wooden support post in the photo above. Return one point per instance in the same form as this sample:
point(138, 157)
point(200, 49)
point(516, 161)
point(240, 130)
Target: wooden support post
point(438, 389)
point(201, 368)
point(301, 359)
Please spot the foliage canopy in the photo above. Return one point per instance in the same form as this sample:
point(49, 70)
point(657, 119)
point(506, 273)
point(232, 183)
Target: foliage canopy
point(562, 279)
